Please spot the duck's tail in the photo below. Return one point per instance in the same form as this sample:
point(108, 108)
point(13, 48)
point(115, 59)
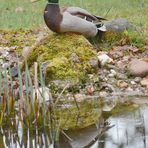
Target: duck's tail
point(101, 27)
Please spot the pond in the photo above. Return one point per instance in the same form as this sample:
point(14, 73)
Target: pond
point(126, 129)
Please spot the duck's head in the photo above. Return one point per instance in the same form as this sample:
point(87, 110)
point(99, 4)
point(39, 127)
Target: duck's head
point(53, 1)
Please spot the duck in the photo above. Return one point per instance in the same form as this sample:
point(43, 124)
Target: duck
point(72, 19)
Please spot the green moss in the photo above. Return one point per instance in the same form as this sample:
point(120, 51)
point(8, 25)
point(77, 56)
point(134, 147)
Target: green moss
point(68, 56)
point(19, 38)
point(128, 37)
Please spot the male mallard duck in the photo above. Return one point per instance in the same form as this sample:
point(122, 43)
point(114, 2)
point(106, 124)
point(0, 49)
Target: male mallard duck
point(72, 19)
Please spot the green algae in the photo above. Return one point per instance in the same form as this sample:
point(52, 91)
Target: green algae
point(68, 56)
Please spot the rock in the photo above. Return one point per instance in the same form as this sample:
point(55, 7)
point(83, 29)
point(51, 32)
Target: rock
point(122, 84)
point(112, 73)
point(120, 51)
point(25, 51)
point(14, 71)
point(103, 94)
point(93, 62)
point(144, 82)
point(79, 97)
point(90, 90)
point(69, 55)
point(137, 79)
point(138, 68)
point(104, 58)
point(122, 76)
point(133, 82)
point(42, 93)
point(117, 25)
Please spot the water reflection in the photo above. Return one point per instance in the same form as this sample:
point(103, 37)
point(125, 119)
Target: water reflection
point(127, 130)
point(17, 139)
point(130, 130)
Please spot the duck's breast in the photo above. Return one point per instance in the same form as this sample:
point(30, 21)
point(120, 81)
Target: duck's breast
point(53, 17)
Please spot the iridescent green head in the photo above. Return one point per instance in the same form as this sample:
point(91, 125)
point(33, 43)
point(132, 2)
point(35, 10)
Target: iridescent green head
point(53, 1)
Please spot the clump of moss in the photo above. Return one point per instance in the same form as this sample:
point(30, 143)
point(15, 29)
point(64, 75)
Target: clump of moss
point(19, 38)
point(68, 56)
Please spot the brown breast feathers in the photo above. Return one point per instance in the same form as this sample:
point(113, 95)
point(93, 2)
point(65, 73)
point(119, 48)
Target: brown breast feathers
point(53, 17)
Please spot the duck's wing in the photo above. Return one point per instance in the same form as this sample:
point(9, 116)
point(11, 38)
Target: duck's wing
point(100, 18)
point(77, 11)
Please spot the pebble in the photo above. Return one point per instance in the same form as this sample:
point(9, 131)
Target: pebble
point(122, 84)
point(138, 68)
point(144, 82)
point(26, 51)
point(137, 79)
point(104, 58)
point(80, 97)
point(112, 73)
point(103, 94)
point(14, 71)
point(133, 82)
point(40, 92)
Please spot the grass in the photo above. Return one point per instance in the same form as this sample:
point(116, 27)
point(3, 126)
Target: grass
point(32, 14)
point(32, 17)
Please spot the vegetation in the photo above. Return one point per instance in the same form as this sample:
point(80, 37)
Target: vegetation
point(31, 14)
point(19, 21)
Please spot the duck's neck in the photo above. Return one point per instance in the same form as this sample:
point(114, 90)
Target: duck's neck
point(53, 1)
point(53, 16)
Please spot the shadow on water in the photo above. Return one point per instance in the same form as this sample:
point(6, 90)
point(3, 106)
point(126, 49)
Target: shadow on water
point(126, 129)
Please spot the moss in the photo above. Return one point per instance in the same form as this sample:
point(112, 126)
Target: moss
point(68, 56)
point(19, 38)
point(131, 36)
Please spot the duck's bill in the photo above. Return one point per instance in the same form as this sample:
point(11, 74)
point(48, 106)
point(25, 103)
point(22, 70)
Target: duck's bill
point(102, 28)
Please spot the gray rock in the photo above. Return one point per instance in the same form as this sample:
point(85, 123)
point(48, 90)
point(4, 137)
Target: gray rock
point(93, 62)
point(138, 68)
point(117, 25)
point(14, 71)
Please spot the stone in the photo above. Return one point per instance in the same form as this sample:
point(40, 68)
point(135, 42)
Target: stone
point(137, 79)
point(104, 58)
point(41, 94)
point(103, 94)
point(113, 73)
point(80, 97)
point(14, 71)
point(117, 25)
point(25, 51)
point(133, 83)
point(144, 82)
point(138, 68)
point(122, 84)
point(68, 54)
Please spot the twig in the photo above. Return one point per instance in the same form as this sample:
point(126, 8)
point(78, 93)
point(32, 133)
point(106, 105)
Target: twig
point(66, 136)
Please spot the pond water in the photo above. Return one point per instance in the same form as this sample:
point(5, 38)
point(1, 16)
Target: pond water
point(130, 131)
point(125, 130)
